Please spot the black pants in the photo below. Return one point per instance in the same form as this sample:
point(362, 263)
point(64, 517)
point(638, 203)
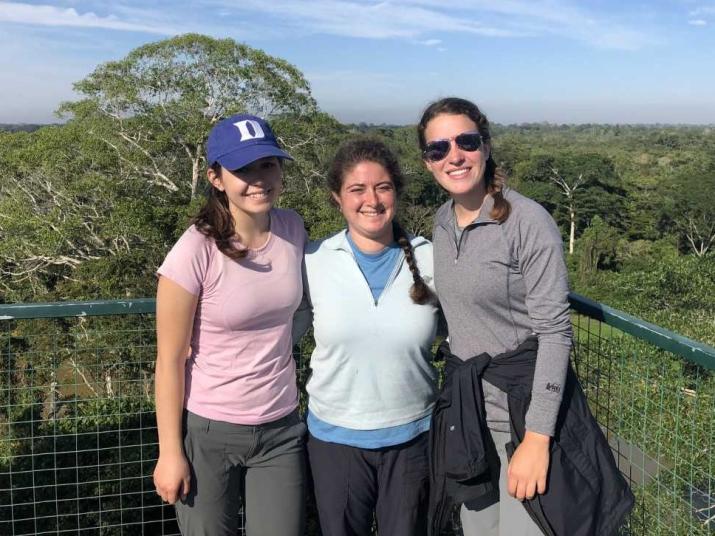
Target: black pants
point(353, 484)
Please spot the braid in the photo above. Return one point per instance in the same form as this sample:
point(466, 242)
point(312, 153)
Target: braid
point(420, 293)
point(496, 180)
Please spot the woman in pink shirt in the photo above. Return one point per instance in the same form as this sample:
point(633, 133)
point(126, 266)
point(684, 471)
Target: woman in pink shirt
point(226, 396)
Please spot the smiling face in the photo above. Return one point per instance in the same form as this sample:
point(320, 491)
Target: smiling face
point(461, 172)
point(367, 199)
point(252, 189)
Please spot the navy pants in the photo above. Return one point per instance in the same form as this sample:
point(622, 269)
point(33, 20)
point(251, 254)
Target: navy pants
point(355, 487)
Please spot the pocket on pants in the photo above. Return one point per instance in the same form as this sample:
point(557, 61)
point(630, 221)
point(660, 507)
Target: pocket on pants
point(284, 437)
point(296, 428)
point(193, 429)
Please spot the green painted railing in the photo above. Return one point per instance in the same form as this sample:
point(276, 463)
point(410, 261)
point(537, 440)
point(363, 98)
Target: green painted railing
point(22, 311)
point(78, 436)
point(659, 337)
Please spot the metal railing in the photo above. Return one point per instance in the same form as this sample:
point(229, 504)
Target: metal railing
point(653, 392)
point(78, 431)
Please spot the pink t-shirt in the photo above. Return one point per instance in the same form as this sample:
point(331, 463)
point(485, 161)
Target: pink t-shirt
point(241, 369)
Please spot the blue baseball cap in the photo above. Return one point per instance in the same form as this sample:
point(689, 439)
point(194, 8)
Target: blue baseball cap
point(238, 140)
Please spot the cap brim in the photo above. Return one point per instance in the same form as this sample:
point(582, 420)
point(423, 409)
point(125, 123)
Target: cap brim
point(244, 156)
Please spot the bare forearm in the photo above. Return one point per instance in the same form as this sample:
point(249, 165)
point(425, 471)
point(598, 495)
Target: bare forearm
point(169, 404)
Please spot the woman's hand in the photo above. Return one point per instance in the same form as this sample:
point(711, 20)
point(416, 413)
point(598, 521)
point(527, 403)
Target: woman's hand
point(528, 466)
point(172, 478)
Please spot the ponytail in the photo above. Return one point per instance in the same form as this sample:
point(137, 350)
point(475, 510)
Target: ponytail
point(215, 221)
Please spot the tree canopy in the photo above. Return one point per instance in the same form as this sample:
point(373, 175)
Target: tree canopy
point(155, 107)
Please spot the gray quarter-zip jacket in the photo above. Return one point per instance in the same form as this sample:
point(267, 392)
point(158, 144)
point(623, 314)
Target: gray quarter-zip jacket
point(500, 284)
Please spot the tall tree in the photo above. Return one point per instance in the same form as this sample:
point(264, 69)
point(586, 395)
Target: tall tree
point(68, 227)
point(574, 187)
point(88, 208)
point(569, 187)
point(689, 207)
point(156, 106)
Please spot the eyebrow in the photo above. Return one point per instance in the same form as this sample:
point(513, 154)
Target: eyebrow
point(381, 183)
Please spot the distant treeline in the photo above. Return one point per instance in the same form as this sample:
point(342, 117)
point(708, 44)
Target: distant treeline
point(21, 127)
point(496, 127)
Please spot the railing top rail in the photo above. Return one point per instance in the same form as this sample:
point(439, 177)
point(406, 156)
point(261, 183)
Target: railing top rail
point(689, 349)
point(667, 340)
point(18, 311)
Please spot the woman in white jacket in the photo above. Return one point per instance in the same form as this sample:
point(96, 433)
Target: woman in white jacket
point(372, 386)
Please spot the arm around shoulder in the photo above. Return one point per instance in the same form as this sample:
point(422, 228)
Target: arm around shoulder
point(303, 316)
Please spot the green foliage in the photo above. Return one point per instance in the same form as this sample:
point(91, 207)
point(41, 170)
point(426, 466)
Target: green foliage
point(689, 205)
point(600, 192)
point(675, 292)
point(597, 248)
point(660, 409)
point(99, 471)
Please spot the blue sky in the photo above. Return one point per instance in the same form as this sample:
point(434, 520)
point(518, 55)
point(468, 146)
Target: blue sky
point(561, 61)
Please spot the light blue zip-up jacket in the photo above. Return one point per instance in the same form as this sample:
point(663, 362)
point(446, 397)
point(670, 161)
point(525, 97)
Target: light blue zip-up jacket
point(371, 367)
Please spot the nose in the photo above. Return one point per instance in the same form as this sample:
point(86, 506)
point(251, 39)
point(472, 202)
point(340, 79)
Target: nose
point(371, 196)
point(455, 153)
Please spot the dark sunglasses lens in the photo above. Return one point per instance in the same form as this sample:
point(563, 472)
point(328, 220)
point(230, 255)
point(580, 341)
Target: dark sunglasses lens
point(436, 150)
point(469, 141)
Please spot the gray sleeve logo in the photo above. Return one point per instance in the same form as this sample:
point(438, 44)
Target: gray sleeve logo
point(553, 387)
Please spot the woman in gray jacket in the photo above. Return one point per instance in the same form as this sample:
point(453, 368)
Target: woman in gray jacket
point(501, 278)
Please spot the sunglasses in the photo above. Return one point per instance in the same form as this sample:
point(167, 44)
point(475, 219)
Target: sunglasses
point(439, 149)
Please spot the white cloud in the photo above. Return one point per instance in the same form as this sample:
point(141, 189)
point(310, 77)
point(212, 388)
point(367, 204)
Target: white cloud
point(417, 20)
point(46, 15)
point(702, 10)
point(698, 22)
point(382, 20)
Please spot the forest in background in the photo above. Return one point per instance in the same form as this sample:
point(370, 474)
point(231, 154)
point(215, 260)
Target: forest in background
point(89, 208)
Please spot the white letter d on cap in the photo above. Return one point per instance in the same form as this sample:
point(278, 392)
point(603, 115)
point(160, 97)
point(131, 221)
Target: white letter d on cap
point(246, 135)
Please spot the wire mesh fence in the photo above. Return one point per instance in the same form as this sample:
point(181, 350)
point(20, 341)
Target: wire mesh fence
point(78, 439)
point(658, 411)
point(78, 431)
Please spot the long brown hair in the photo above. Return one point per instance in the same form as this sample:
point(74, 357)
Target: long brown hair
point(367, 149)
point(494, 176)
point(214, 220)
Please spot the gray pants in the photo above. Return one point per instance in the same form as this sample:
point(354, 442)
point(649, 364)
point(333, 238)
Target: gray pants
point(262, 466)
point(504, 518)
